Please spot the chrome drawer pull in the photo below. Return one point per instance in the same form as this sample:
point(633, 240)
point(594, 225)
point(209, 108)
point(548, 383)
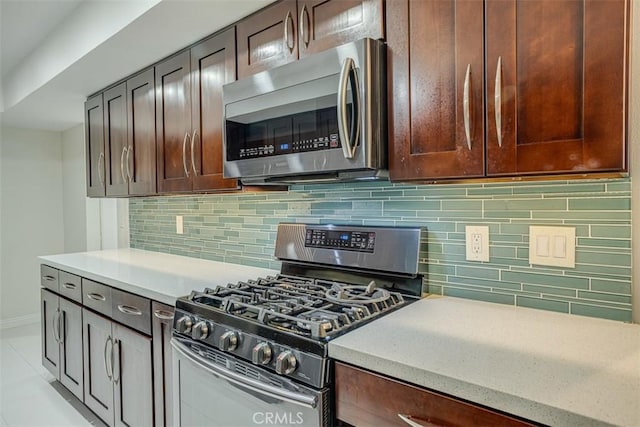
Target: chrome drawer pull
point(163, 315)
point(409, 420)
point(49, 278)
point(497, 97)
point(127, 309)
point(96, 297)
point(69, 285)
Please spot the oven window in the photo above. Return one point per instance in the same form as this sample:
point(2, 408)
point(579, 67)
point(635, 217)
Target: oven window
point(295, 119)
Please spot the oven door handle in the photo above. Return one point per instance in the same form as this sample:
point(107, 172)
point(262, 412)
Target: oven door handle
point(253, 385)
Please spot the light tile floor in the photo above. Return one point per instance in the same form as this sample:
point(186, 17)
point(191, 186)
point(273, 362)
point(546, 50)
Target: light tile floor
point(29, 394)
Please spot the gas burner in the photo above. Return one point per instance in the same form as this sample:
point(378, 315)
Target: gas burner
point(342, 293)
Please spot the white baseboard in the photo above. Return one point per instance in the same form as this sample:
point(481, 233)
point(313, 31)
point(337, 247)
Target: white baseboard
point(19, 321)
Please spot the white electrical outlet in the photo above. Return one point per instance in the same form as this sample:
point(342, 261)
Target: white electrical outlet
point(179, 224)
point(477, 242)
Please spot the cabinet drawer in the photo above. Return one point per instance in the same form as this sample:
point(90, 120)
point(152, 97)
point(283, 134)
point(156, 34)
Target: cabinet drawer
point(49, 277)
point(131, 310)
point(363, 398)
point(96, 296)
point(70, 286)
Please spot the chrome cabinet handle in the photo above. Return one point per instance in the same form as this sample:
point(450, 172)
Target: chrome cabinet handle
point(49, 278)
point(497, 97)
point(68, 285)
point(193, 156)
point(465, 106)
point(129, 150)
point(407, 419)
point(304, 18)
point(100, 172)
point(348, 137)
point(124, 178)
point(61, 327)
point(115, 361)
point(126, 309)
point(288, 20)
point(96, 297)
point(163, 315)
point(108, 371)
point(184, 154)
point(55, 325)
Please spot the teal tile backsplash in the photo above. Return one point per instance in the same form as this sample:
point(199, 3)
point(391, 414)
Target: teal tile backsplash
point(240, 228)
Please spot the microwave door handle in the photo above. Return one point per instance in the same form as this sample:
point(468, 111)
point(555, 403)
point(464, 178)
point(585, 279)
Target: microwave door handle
point(243, 382)
point(348, 134)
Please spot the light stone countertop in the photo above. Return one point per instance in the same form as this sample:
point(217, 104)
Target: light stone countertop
point(557, 369)
point(158, 276)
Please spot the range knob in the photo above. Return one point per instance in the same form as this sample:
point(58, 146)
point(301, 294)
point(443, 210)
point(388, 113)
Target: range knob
point(184, 324)
point(200, 330)
point(286, 363)
point(228, 341)
point(261, 354)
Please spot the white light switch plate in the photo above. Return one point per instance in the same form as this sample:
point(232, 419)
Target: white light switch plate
point(553, 246)
point(179, 225)
point(477, 242)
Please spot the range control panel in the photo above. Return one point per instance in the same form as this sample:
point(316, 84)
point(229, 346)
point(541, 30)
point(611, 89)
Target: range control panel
point(340, 239)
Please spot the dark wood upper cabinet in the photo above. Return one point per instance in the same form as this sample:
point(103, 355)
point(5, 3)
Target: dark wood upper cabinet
point(324, 24)
point(288, 29)
point(115, 139)
point(557, 98)
point(268, 38)
point(554, 82)
point(435, 88)
point(141, 137)
point(213, 63)
point(189, 116)
point(94, 143)
point(173, 123)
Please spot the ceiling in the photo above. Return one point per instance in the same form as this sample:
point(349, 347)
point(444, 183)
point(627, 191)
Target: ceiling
point(54, 53)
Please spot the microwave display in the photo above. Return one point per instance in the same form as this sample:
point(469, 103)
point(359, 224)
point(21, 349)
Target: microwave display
point(294, 133)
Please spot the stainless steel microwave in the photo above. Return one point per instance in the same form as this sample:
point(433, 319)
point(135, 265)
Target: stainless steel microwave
point(322, 118)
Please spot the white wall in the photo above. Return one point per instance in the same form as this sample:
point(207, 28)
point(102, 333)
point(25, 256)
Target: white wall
point(74, 190)
point(32, 217)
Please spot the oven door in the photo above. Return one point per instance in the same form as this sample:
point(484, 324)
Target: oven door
point(212, 388)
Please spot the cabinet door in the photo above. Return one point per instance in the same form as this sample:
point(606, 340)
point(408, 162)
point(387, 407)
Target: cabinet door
point(115, 140)
point(359, 402)
point(141, 136)
point(133, 378)
point(94, 142)
point(162, 364)
point(98, 346)
point(435, 65)
point(268, 38)
point(328, 23)
point(50, 312)
point(556, 85)
point(71, 369)
point(173, 123)
point(213, 63)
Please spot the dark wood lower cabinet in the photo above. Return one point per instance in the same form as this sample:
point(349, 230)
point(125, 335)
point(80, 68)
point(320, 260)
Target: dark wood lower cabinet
point(367, 399)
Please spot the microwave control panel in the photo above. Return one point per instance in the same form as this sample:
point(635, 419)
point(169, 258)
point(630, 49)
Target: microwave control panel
point(304, 145)
point(340, 239)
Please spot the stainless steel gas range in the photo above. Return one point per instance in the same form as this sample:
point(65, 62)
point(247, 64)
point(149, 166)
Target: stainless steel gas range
point(256, 352)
